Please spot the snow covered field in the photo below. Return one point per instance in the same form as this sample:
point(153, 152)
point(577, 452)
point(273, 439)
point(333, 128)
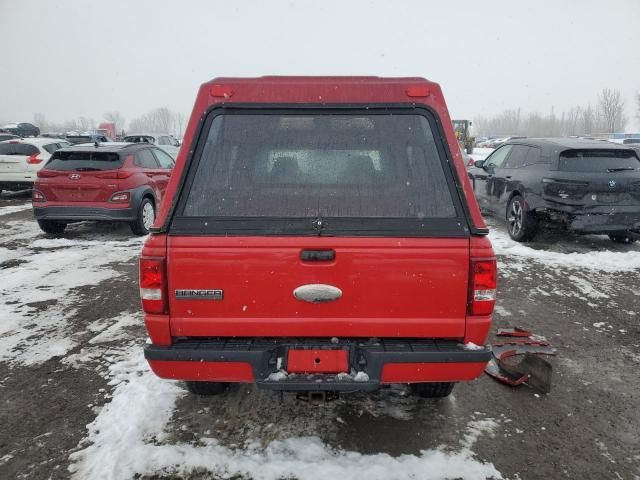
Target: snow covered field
point(80, 402)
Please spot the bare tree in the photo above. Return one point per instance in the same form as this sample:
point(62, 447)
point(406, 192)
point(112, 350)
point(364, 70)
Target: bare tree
point(611, 110)
point(160, 120)
point(85, 123)
point(116, 118)
point(41, 122)
point(588, 120)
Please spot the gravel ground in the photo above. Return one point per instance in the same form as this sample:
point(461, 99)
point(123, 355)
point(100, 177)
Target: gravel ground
point(72, 333)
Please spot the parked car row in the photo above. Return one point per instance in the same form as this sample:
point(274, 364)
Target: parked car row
point(20, 160)
point(87, 181)
point(585, 186)
point(22, 129)
point(496, 142)
point(116, 182)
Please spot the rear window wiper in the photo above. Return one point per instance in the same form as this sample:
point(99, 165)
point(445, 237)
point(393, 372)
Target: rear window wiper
point(621, 169)
point(87, 169)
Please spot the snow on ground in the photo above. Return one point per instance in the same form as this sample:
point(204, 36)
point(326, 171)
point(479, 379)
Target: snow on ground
point(9, 209)
point(38, 290)
point(605, 261)
point(128, 438)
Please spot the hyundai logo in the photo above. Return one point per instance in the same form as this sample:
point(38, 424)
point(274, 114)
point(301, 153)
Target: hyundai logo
point(612, 183)
point(76, 176)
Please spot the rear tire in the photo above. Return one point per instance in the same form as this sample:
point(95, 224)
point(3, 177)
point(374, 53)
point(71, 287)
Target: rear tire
point(625, 238)
point(51, 227)
point(521, 224)
point(207, 388)
point(146, 217)
point(432, 390)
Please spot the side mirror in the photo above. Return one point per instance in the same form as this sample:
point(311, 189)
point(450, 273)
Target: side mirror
point(478, 164)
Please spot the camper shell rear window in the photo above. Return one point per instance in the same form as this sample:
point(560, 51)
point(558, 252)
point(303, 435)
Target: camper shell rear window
point(319, 172)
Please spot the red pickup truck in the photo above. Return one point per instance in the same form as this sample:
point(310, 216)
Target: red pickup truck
point(319, 234)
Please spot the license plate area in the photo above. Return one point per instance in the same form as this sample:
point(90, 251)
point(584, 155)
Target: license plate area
point(318, 361)
point(607, 197)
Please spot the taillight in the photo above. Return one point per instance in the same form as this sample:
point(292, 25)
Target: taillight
point(115, 174)
point(153, 284)
point(46, 173)
point(110, 175)
point(482, 286)
point(37, 196)
point(120, 197)
point(34, 159)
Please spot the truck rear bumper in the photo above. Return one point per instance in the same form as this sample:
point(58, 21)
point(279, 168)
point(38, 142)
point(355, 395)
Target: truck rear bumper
point(256, 361)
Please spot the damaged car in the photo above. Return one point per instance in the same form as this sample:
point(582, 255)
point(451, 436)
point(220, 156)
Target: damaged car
point(584, 186)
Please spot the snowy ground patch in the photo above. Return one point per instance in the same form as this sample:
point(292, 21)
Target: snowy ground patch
point(38, 291)
point(128, 438)
point(605, 261)
point(9, 209)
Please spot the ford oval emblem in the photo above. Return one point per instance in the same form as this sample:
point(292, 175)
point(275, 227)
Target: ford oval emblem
point(74, 176)
point(612, 183)
point(317, 293)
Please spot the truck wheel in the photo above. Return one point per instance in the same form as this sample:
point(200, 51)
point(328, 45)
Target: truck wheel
point(621, 238)
point(522, 225)
point(146, 217)
point(432, 390)
point(207, 388)
point(51, 227)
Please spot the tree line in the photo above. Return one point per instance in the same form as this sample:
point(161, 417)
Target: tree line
point(606, 116)
point(158, 120)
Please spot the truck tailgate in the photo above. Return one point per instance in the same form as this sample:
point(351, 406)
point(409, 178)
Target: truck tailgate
point(391, 287)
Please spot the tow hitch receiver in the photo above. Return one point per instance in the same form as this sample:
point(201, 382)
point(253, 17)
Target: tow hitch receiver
point(319, 396)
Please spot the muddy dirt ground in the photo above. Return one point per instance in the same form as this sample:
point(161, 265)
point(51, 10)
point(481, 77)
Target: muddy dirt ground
point(55, 380)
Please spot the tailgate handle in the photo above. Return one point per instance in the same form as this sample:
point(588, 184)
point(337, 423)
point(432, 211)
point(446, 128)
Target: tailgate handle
point(317, 255)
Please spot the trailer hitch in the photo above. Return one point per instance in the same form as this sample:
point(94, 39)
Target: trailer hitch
point(319, 396)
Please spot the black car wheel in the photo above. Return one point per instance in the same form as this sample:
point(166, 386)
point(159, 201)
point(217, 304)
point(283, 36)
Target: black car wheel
point(432, 390)
point(51, 227)
point(146, 217)
point(622, 238)
point(522, 225)
point(207, 388)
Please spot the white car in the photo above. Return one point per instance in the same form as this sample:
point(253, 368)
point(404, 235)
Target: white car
point(21, 159)
point(165, 141)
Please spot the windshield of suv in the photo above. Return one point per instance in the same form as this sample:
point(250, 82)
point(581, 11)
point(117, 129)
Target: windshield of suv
point(84, 161)
point(605, 161)
point(320, 166)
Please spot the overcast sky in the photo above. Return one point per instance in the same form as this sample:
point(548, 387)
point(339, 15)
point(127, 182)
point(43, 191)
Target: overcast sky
point(70, 58)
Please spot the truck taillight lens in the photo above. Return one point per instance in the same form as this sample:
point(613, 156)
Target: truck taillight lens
point(153, 284)
point(483, 283)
